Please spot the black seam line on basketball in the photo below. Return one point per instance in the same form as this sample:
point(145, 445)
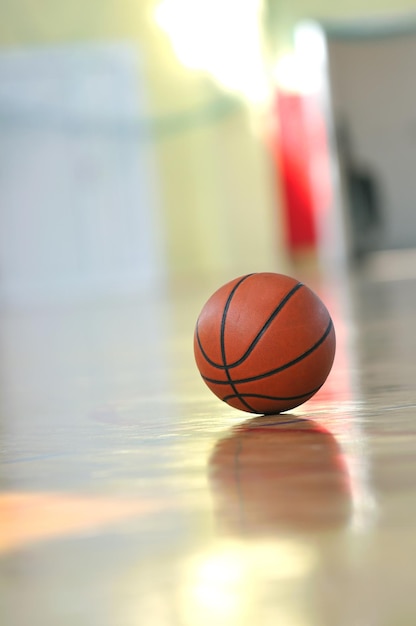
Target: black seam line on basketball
point(227, 304)
point(222, 342)
point(277, 369)
point(277, 398)
point(256, 338)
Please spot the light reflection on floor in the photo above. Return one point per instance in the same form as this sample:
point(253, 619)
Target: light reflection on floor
point(130, 495)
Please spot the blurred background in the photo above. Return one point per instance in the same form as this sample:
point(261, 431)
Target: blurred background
point(159, 148)
point(157, 139)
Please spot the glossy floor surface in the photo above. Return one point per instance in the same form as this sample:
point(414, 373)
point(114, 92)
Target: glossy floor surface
point(131, 496)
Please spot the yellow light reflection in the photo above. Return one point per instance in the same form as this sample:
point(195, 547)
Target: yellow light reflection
point(221, 37)
point(226, 585)
point(217, 581)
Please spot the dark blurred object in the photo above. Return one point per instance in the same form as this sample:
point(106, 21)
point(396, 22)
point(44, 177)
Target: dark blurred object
point(363, 197)
point(279, 473)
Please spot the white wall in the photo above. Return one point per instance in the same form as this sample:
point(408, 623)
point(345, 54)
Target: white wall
point(78, 199)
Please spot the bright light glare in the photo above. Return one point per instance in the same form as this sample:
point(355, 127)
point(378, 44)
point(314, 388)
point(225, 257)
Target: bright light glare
point(221, 37)
point(222, 586)
point(303, 71)
point(289, 74)
point(223, 568)
point(217, 580)
point(310, 42)
point(297, 75)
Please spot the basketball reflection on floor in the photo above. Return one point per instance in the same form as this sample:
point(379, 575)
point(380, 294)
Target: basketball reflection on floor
point(279, 473)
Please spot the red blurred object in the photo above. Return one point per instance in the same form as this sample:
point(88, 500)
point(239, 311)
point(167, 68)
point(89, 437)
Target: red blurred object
point(302, 159)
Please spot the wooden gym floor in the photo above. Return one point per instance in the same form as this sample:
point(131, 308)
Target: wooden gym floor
point(130, 496)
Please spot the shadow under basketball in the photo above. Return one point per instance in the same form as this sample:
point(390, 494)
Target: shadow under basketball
point(279, 473)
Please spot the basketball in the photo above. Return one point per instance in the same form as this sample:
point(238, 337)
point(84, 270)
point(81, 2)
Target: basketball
point(264, 343)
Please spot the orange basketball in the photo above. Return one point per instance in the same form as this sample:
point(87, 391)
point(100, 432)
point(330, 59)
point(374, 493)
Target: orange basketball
point(264, 343)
